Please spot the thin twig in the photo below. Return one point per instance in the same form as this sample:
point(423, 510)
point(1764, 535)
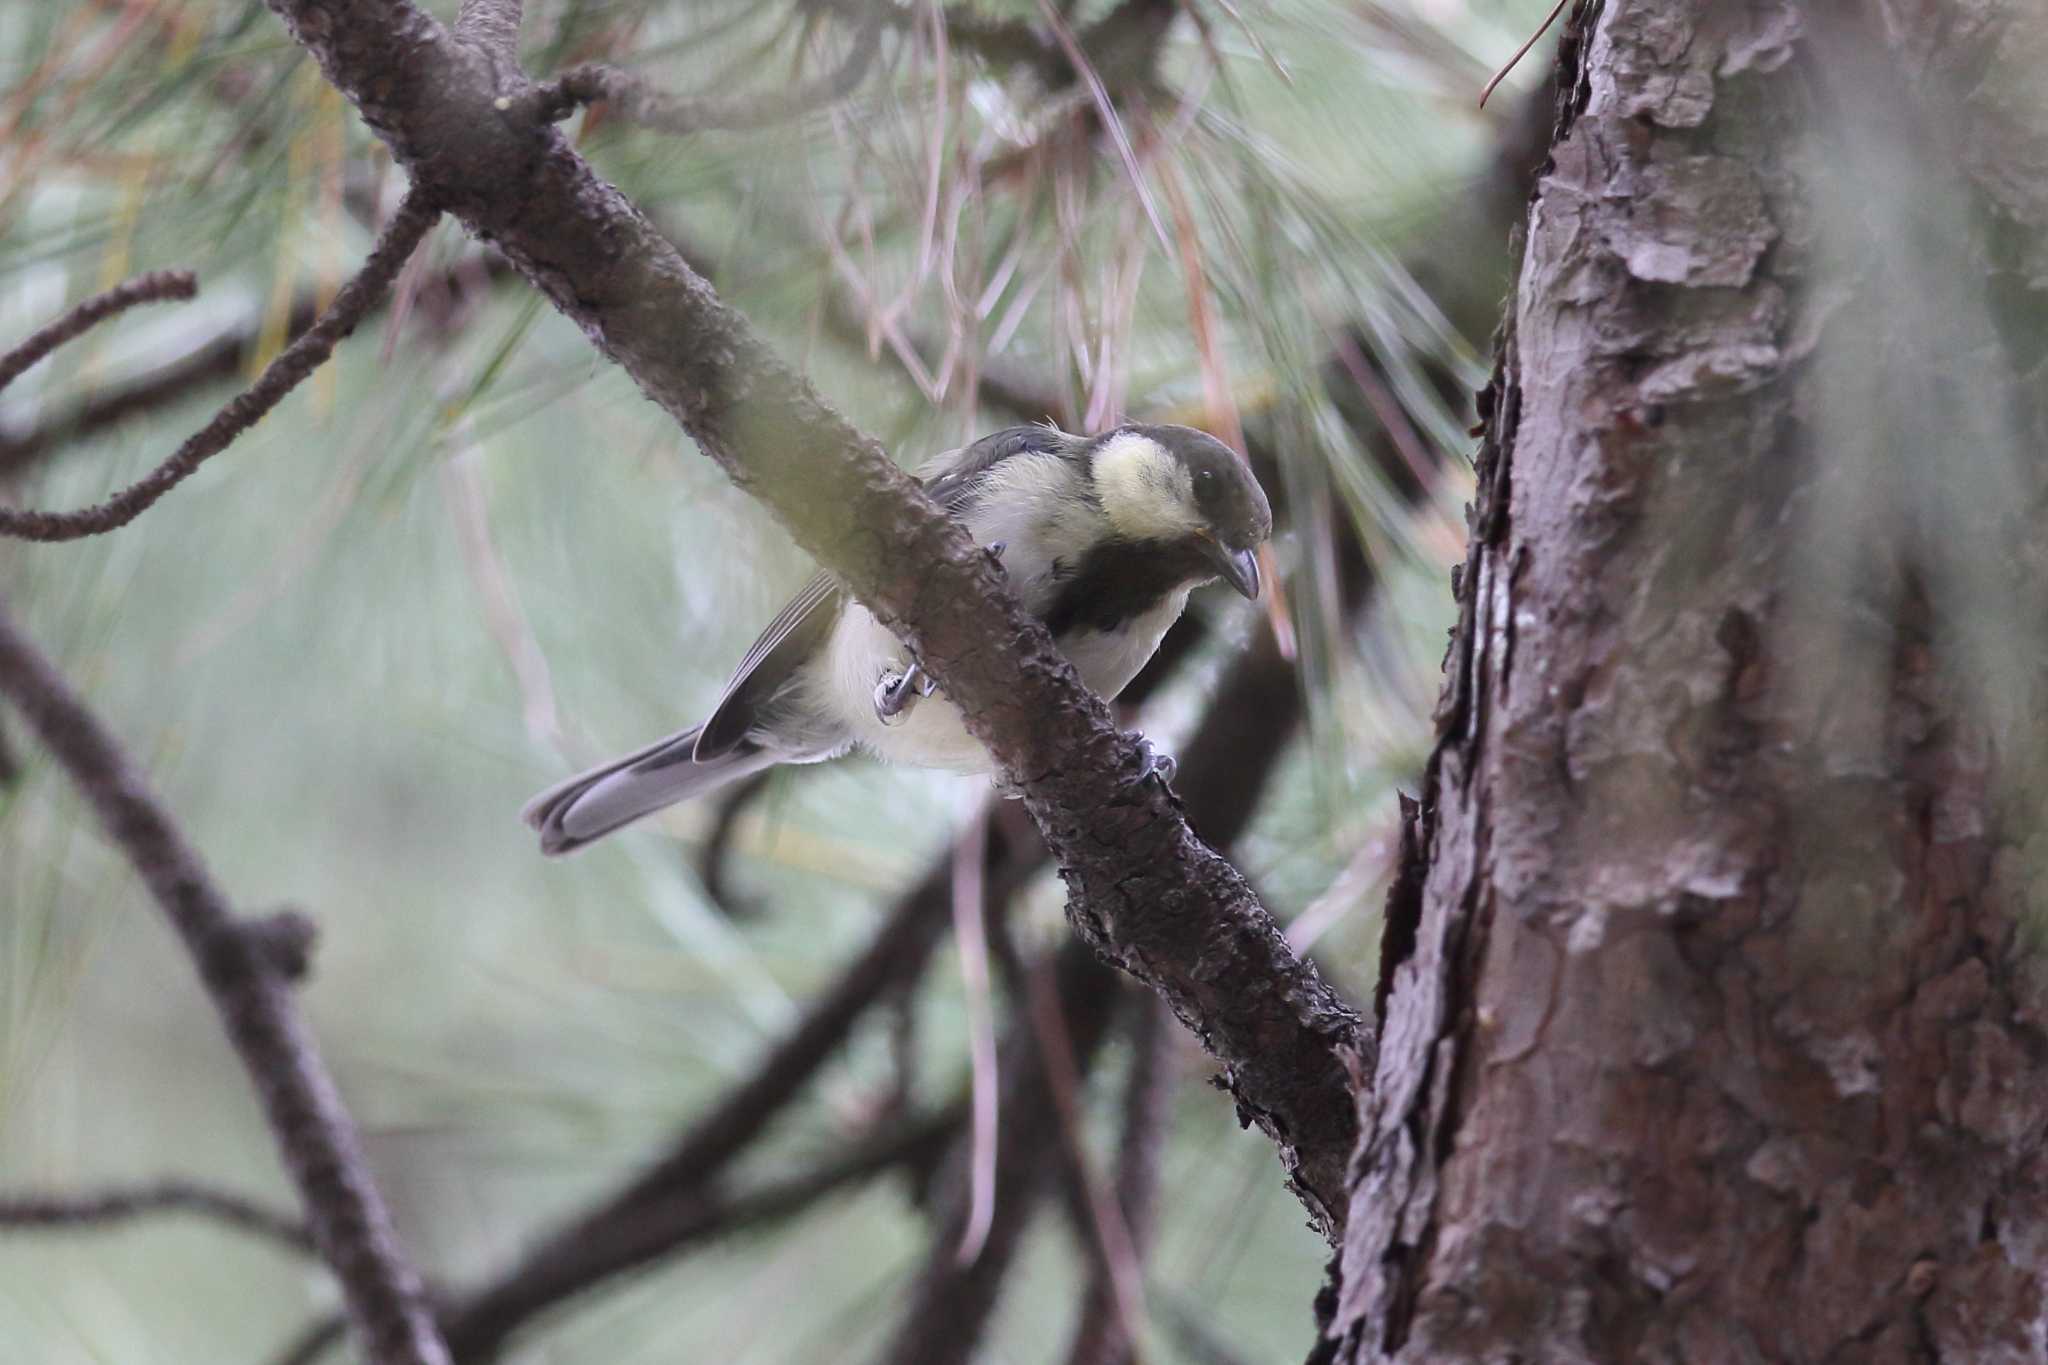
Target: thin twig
point(349, 1222)
point(970, 936)
point(714, 858)
point(1099, 1336)
point(140, 1201)
point(297, 360)
point(1103, 1218)
point(952, 1303)
point(683, 1219)
point(1522, 51)
point(635, 101)
point(158, 286)
point(224, 355)
point(588, 1250)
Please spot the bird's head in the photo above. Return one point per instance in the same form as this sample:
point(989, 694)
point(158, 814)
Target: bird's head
point(1186, 488)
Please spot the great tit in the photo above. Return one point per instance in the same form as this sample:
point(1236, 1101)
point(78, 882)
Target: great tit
point(1102, 538)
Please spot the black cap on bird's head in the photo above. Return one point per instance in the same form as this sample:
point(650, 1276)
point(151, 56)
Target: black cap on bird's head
point(1177, 483)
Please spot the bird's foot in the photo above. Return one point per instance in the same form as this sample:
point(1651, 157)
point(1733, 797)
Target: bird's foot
point(1157, 765)
point(896, 691)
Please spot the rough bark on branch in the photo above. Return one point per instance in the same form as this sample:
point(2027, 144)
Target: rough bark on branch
point(1143, 889)
point(349, 1222)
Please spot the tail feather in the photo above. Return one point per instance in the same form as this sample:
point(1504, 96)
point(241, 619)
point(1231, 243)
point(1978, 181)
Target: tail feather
point(590, 805)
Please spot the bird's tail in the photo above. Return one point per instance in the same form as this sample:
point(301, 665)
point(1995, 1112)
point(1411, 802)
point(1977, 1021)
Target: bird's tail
point(591, 805)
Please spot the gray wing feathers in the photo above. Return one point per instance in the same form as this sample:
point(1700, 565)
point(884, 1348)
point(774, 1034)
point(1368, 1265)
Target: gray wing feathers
point(592, 804)
point(789, 639)
point(802, 626)
point(951, 477)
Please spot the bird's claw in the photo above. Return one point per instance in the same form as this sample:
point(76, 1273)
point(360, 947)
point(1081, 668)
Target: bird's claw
point(896, 691)
point(1157, 765)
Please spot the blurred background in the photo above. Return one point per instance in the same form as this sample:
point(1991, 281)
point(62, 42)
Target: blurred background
point(467, 558)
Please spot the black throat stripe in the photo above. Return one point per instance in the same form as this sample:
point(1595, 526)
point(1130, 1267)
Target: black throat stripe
point(1122, 579)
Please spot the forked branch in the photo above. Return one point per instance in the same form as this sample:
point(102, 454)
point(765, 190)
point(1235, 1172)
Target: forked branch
point(252, 992)
point(293, 364)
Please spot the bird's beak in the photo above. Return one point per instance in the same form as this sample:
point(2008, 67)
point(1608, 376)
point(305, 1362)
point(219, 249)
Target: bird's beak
point(1238, 568)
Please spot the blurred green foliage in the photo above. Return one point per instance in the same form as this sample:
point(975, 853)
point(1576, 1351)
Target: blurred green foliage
point(468, 556)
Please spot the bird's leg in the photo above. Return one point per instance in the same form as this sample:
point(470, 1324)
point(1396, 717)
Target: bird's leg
point(895, 693)
point(1157, 764)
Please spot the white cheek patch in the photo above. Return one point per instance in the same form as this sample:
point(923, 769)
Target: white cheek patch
point(1145, 492)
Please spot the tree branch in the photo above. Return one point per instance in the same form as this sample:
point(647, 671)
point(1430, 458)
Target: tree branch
point(953, 1302)
point(158, 286)
point(660, 1203)
point(492, 27)
point(297, 360)
point(638, 102)
point(349, 1222)
point(222, 357)
point(1142, 889)
point(1099, 1336)
point(677, 1221)
point(140, 1201)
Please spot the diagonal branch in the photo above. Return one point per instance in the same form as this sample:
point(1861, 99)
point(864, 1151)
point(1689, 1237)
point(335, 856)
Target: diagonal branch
point(224, 356)
point(638, 102)
point(297, 360)
point(952, 1302)
point(158, 286)
point(349, 1222)
point(140, 1201)
point(1142, 889)
point(659, 1202)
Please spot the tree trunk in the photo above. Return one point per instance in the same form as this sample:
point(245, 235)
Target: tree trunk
point(1713, 1019)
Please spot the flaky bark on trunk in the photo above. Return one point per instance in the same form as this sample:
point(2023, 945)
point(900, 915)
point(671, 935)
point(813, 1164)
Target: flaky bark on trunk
point(1714, 1029)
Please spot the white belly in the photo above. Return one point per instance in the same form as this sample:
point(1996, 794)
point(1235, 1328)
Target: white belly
point(931, 734)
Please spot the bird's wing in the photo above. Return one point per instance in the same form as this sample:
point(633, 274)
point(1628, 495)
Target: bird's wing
point(797, 629)
point(803, 625)
point(950, 478)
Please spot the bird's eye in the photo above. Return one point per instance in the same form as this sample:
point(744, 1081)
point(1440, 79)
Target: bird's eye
point(1205, 476)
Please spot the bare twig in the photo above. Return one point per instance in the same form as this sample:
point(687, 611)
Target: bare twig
point(347, 1216)
point(682, 1219)
point(1522, 51)
point(504, 618)
point(158, 286)
point(952, 1302)
point(714, 859)
point(224, 356)
point(1101, 1218)
point(970, 936)
point(638, 102)
point(658, 1202)
point(1099, 1336)
point(297, 361)
point(140, 1201)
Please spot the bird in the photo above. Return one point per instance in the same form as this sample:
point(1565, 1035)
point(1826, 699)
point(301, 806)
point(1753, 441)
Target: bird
point(1101, 537)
